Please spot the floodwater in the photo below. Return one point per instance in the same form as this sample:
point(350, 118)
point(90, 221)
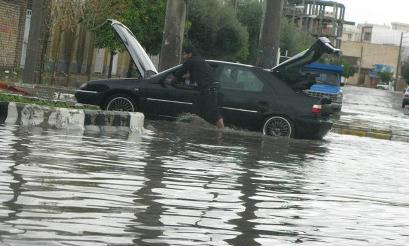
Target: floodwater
point(375, 109)
point(178, 184)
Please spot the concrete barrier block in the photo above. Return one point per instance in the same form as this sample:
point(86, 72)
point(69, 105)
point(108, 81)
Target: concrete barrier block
point(67, 118)
point(31, 115)
point(136, 122)
point(12, 114)
point(70, 119)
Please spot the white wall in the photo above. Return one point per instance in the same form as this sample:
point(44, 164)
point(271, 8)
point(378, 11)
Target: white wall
point(385, 35)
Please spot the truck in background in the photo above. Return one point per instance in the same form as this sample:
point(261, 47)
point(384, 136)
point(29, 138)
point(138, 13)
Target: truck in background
point(326, 82)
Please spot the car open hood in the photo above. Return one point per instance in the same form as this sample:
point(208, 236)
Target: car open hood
point(320, 47)
point(138, 54)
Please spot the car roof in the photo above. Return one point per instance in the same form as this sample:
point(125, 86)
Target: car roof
point(234, 64)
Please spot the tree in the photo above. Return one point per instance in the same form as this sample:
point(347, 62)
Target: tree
point(385, 76)
point(249, 14)
point(292, 39)
point(144, 18)
point(349, 69)
point(95, 14)
point(215, 31)
point(64, 20)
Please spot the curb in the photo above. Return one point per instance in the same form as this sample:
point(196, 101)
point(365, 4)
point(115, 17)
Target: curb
point(70, 119)
point(371, 133)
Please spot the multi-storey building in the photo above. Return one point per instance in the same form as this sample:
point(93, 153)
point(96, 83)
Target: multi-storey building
point(318, 17)
point(369, 45)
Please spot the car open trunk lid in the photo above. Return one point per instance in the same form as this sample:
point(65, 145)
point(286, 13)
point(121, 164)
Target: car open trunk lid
point(138, 54)
point(290, 71)
point(321, 46)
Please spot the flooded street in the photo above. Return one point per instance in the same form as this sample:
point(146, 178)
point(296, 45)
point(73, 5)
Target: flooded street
point(179, 185)
point(375, 109)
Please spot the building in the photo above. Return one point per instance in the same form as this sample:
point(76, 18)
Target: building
point(368, 46)
point(351, 33)
point(379, 34)
point(400, 26)
point(318, 17)
point(371, 54)
point(15, 22)
point(12, 22)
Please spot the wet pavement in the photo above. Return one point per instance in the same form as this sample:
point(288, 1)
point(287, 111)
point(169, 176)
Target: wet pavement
point(180, 184)
point(374, 110)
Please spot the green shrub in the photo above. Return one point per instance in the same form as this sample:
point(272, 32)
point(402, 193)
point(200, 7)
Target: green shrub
point(5, 97)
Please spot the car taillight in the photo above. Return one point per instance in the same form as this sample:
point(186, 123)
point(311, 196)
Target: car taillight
point(316, 109)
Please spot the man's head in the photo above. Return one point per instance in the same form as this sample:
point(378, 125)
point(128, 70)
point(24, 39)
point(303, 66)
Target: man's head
point(188, 52)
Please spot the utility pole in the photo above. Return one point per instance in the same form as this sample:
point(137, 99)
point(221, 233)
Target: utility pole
point(36, 41)
point(361, 55)
point(270, 33)
point(398, 63)
point(172, 40)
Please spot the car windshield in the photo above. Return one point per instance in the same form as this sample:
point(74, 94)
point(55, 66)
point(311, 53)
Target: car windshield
point(328, 78)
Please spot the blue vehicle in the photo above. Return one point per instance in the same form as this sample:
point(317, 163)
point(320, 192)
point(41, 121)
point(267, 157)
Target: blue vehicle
point(326, 82)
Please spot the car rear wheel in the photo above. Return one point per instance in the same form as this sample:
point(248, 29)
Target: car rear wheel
point(278, 126)
point(120, 102)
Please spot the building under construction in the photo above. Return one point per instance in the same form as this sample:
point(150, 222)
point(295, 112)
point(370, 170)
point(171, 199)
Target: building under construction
point(318, 17)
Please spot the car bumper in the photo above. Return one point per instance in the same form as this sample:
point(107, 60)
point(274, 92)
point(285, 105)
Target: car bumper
point(313, 128)
point(88, 97)
point(405, 101)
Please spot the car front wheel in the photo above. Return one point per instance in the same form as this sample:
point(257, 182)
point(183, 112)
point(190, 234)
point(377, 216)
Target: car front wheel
point(278, 126)
point(120, 102)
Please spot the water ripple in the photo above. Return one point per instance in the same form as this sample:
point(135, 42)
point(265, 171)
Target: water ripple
point(179, 185)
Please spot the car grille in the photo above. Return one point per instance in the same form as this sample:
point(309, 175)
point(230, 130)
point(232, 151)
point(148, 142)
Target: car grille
point(334, 97)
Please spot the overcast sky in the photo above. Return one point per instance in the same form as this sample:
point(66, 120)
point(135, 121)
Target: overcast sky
point(376, 11)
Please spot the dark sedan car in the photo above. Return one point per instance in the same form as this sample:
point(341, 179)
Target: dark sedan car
point(267, 100)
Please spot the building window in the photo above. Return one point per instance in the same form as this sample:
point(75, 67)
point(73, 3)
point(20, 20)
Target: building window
point(367, 36)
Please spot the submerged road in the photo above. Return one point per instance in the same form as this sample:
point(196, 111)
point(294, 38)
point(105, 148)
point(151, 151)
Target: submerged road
point(368, 110)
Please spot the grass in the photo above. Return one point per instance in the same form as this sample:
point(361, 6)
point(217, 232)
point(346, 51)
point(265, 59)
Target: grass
point(6, 97)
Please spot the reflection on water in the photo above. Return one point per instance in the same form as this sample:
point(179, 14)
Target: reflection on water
point(184, 185)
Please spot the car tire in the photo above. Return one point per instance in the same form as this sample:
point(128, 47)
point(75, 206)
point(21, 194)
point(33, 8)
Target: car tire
point(121, 102)
point(278, 126)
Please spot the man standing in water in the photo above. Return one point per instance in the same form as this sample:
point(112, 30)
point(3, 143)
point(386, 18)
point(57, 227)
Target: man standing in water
point(199, 72)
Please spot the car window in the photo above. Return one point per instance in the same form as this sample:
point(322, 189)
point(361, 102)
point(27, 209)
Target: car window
point(176, 78)
point(328, 78)
point(236, 78)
